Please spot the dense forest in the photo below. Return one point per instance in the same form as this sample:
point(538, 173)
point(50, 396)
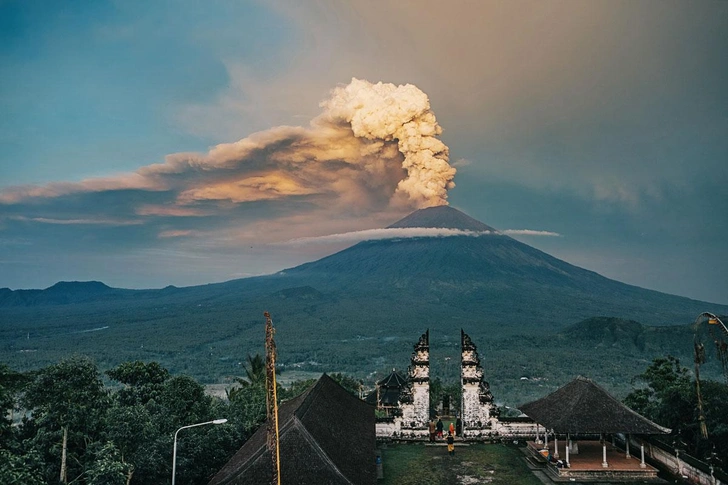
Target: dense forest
point(70, 422)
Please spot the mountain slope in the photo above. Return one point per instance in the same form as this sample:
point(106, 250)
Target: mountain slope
point(489, 275)
point(360, 310)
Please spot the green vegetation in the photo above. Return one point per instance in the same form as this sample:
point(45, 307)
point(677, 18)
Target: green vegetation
point(76, 429)
point(209, 342)
point(668, 396)
point(409, 464)
point(122, 433)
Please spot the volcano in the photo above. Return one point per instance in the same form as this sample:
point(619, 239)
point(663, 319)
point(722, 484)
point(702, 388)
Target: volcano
point(359, 309)
point(467, 270)
point(482, 275)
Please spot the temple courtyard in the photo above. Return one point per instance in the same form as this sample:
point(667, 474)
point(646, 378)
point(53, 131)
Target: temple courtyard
point(475, 463)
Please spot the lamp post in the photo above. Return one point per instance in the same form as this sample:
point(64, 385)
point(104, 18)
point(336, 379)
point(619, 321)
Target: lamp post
point(712, 320)
point(699, 359)
point(174, 452)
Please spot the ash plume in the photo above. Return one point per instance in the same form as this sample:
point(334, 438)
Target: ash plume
point(374, 147)
point(385, 113)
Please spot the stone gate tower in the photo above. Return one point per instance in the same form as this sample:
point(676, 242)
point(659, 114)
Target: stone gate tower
point(415, 400)
point(479, 413)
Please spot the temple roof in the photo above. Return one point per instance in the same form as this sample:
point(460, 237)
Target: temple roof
point(326, 436)
point(581, 406)
point(389, 390)
point(393, 380)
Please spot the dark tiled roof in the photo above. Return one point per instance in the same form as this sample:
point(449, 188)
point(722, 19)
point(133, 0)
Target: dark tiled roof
point(327, 436)
point(394, 379)
point(389, 390)
point(581, 406)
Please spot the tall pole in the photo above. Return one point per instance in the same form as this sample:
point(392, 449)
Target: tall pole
point(272, 399)
point(174, 449)
point(699, 359)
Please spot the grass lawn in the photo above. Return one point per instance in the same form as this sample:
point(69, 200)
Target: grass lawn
point(417, 464)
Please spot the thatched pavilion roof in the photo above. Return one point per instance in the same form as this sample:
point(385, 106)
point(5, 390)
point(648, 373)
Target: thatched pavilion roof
point(581, 406)
point(326, 436)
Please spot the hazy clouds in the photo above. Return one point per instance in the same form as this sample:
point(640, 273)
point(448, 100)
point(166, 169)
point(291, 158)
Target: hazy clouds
point(602, 121)
point(372, 150)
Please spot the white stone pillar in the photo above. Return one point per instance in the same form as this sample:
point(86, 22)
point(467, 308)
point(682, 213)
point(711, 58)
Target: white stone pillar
point(538, 440)
point(642, 452)
point(627, 447)
point(556, 446)
point(604, 455)
point(568, 445)
point(546, 438)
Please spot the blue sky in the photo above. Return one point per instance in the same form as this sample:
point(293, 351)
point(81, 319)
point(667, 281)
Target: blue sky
point(605, 122)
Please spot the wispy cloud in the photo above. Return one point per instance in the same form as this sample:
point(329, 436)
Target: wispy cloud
point(376, 234)
point(172, 211)
point(529, 232)
point(74, 222)
point(462, 162)
point(403, 233)
point(178, 233)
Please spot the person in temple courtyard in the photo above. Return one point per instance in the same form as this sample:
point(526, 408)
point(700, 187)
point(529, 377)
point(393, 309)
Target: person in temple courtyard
point(458, 427)
point(432, 431)
point(451, 429)
point(439, 427)
point(450, 444)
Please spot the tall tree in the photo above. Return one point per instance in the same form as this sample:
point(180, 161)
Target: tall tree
point(667, 396)
point(68, 401)
point(11, 383)
point(142, 381)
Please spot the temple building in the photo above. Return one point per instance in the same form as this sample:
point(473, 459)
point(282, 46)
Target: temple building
point(387, 394)
point(408, 419)
point(479, 412)
point(415, 399)
point(411, 418)
point(582, 408)
point(326, 436)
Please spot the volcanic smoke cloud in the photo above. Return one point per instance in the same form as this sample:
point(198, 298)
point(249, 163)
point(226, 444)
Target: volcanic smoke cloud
point(385, 113)
point(373, 147)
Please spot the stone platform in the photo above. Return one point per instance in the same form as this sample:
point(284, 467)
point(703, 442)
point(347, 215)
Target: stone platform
point(586, 466)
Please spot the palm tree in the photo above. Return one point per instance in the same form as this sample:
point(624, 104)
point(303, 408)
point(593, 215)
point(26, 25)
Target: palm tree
point(254, 375)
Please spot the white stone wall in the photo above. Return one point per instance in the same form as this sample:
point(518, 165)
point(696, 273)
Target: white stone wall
point(417, 414)
point(421, 398)
point(388, 429)
point(517, 430)
point(676, 466)
point(475, 413)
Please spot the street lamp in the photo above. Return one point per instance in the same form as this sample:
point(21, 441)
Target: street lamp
point(174, 452)
point(700, 358)
point(712, 320)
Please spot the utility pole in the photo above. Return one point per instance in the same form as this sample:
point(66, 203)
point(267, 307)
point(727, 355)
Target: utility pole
point(271, 399)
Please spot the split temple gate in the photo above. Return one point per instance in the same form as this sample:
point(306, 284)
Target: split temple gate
point(410, 418)
point(579, 408)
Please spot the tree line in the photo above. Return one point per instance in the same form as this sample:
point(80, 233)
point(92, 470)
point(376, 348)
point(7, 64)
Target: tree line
point(666, 393)
point(62, 424)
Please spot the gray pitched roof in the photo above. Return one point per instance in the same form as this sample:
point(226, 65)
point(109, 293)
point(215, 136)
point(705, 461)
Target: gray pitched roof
point(326, 436)
point(581, 406)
